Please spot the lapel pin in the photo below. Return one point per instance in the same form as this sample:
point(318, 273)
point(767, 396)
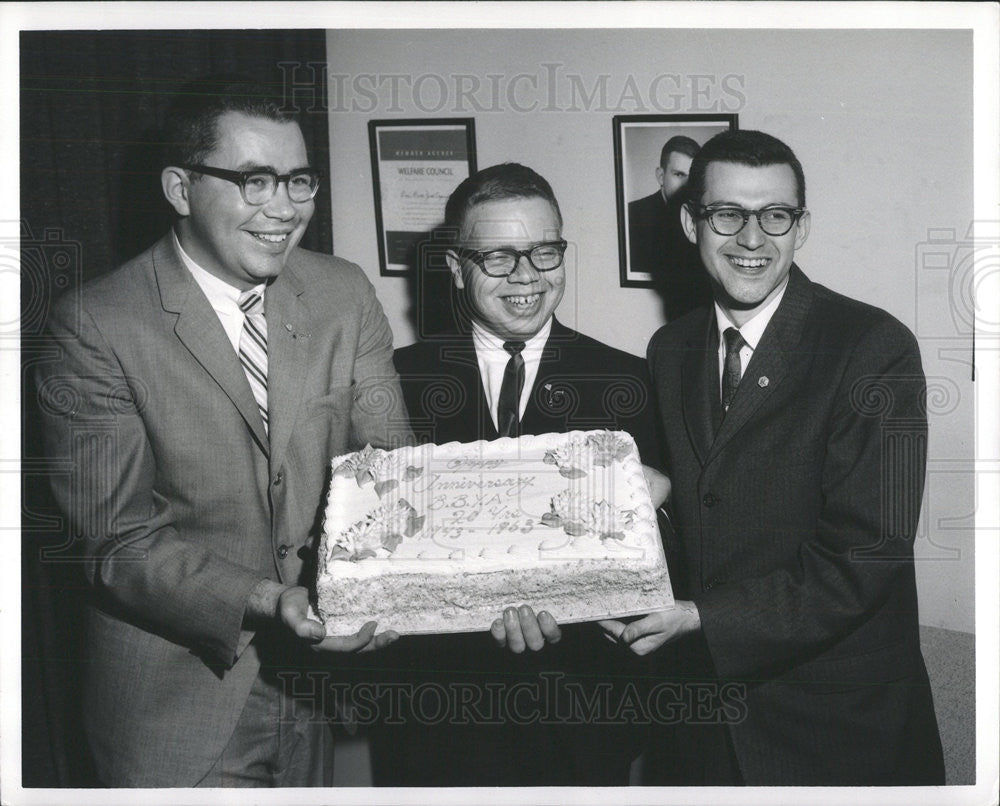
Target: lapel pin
point(763, 381)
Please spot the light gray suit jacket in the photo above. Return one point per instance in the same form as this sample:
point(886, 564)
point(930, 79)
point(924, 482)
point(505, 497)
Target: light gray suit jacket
point(178, 500)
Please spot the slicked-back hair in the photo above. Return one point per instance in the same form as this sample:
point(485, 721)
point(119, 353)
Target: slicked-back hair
point(191, 132)
point(509, 180)
point(743, 147)
point(682, 145)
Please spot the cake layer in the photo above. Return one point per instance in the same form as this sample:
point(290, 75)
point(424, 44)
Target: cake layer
point(442, 538)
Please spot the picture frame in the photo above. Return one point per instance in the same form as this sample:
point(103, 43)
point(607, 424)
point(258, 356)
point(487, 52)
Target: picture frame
point(638, 141)
point(416, 164)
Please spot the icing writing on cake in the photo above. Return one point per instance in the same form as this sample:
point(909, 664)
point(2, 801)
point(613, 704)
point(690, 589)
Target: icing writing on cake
point(469, 492)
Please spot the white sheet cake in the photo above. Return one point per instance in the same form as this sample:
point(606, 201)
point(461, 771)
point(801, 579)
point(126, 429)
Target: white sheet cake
point(441, 538)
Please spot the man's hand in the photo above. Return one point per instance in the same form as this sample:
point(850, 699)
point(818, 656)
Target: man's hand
point(659, 485)
point(271, 601)
point(293, 612)
point(520, 628)
point(653, 631)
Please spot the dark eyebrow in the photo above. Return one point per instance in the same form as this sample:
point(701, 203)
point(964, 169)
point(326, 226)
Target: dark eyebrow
point(735, 206)
point(252, 167)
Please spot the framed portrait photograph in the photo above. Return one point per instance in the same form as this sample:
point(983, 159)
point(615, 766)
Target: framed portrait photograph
point(416, 164)
point(652, 156)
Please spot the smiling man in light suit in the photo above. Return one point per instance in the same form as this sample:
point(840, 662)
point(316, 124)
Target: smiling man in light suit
point(198, 395)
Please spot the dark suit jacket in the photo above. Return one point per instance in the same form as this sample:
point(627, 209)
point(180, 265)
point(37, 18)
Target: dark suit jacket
point(797, 522)
point(581, 384)
point(658, 246)
point(179, 501)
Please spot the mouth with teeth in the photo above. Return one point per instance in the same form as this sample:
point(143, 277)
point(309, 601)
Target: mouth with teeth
point(270, 237)
point(523, 301)
point(752, 265)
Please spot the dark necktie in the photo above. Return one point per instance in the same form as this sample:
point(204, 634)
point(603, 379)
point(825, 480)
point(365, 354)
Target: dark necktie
point(731, 374)
point(510, 390)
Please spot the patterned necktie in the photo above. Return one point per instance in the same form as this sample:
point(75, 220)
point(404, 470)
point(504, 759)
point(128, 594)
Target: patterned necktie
point(253, 348)
point(510, 390)
point(731, 375)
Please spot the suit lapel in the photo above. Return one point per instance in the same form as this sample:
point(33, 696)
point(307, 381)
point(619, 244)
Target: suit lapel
point(556, 360)
point(288, 340)
point(200, 331)
point(463, 365)
point(699, 385)
point(769, 365)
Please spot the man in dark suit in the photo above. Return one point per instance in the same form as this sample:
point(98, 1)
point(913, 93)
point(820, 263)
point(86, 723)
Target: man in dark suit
point(795, 436)
point(197, 429)
point(657, 244)
point(511, 368)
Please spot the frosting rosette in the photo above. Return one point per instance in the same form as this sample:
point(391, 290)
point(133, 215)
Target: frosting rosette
point(578, 514)
point(378, 533)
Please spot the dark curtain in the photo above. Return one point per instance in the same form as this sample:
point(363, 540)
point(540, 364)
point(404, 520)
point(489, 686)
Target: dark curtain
point(92, 103)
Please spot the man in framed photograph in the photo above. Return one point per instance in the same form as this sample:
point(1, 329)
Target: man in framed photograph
point(657, 244)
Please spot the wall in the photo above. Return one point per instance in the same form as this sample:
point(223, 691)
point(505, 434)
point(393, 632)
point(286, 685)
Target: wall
point(881, 120)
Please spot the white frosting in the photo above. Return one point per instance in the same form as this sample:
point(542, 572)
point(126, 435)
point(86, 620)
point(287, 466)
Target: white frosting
point(552, 504)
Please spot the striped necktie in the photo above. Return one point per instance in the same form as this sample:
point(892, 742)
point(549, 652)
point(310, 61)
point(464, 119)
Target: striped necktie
point(253, 348)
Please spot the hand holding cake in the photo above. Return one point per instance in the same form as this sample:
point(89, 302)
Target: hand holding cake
point(519, 629)
point(289, 607)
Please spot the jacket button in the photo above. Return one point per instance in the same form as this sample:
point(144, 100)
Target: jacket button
point(708, 500)
point(283, 551)
point(277, 479)
point(709, 586)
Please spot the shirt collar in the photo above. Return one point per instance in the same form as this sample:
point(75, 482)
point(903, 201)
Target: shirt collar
point(752, 330)
point(220, 293)
point(485, 340)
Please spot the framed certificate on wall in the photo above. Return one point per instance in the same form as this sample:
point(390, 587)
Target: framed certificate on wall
point(416, 164)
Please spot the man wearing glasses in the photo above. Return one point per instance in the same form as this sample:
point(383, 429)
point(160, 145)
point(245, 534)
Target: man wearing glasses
point(795, 435)
point(199, 394)
point(511, 368)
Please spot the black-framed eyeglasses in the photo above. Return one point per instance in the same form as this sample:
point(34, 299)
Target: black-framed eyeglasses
point(775, 220)
point(544, 256)
point(259, 186)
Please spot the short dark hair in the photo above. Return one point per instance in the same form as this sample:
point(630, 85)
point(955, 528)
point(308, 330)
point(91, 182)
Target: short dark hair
point(744, 147)
point(190, 132)
point(679, 143)
point(509, 180)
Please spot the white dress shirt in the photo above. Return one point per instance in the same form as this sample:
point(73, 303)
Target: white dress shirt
point(493, 358)
point(223, 297)
point(751, 332)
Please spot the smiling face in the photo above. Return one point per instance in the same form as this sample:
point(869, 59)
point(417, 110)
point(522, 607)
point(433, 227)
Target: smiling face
point(241, 243)
point(748, 269)
point(675, 175)
point(513, 308)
